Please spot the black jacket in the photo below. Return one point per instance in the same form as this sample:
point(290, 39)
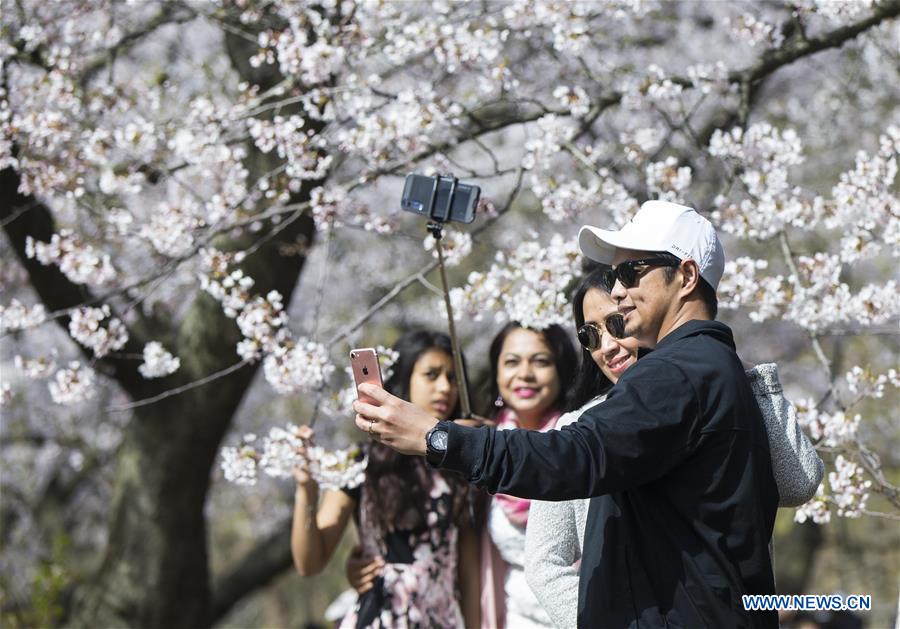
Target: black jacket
point(677, 463)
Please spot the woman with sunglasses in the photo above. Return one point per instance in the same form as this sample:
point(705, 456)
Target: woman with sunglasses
point(555, 532)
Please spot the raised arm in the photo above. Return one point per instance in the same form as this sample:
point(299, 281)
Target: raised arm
point(651, 415)
point(316, 529)
point(315, 533)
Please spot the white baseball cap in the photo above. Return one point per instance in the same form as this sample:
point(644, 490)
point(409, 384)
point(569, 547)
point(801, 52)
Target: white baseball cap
point(661, 226)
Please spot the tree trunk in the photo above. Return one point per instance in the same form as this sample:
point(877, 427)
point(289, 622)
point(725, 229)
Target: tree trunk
point(155, 569)
point(154, 572)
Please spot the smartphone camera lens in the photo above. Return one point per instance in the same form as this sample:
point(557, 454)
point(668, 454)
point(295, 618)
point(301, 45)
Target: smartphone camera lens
point(353, 355)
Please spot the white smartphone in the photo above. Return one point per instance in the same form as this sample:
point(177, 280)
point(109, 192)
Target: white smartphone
point(364, 363)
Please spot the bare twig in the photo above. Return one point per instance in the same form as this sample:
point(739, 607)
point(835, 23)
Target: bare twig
point(186, 387)
point(814, 337)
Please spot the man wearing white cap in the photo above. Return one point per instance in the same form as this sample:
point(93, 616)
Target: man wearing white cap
point(676, 459)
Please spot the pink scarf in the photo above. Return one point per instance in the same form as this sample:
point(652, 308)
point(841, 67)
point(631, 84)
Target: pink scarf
point(516, 509)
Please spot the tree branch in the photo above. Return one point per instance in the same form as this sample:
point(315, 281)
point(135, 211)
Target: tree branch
point(802, 47)
point(165, 17)
point(55, 290)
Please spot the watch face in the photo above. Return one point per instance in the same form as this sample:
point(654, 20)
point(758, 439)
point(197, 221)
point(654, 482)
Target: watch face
point(439, 440)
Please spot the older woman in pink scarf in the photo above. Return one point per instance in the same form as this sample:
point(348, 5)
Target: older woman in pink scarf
point(532, 371)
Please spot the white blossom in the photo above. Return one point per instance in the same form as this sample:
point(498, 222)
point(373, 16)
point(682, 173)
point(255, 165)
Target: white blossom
point(709, 77)
point(332, 207)
point(740, 285)
point(863, 383)
point(303, 151)
point(36, 368)
point(303, 367)
point(18, 316)
point(849, 487)
point(743, 286)
point(640, 143)
point(85, 327)
point(157, 361)
point(660, 88)
point(894, 377)
point(763, 156)
point(828, 429)
point(232, 289)
point(262, 321)
point(456, 246)
point(864, 206)
point(239, 464)
point(337, 469)
point(816, 509)
point(755, 32)
point(6, 393)
point(666, 181)
point(407, 124)
point(553, 132)
point(171, 227)
point(73, 384)
point(575, 99)
point(526, 286)
point(569, 200)
point(79, 262)
point(840, 11)
point(821, 300)
point(282, 451)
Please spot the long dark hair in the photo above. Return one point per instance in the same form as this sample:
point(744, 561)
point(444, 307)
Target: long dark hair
point(399, 484)
point(589, 381)
point(564, 358)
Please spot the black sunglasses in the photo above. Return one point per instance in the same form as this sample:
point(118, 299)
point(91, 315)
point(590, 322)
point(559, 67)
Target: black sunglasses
point(590, 335)
point(628, 272)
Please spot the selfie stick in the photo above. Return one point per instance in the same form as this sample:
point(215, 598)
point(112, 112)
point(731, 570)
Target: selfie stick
point(436, 226)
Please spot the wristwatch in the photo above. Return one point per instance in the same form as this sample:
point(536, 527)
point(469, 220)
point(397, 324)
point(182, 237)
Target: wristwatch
point(436, 443)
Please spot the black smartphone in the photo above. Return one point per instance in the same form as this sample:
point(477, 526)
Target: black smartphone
point(418, 192)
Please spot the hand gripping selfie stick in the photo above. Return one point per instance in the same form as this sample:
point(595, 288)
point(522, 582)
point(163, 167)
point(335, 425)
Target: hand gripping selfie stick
point(436, 219)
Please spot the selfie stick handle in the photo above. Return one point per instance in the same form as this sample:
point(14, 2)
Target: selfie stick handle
point(464, 404)
point(436, 226)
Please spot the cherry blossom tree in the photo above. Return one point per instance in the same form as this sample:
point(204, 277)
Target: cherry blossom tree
point(191, 190)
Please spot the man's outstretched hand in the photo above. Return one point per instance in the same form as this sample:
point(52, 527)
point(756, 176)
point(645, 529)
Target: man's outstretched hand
point(392, 421)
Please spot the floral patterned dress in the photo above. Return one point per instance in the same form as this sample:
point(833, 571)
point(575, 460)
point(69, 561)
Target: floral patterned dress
point(418, 585)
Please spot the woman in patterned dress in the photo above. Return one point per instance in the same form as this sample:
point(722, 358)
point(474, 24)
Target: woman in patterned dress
point(531, 373)
point(414, 519)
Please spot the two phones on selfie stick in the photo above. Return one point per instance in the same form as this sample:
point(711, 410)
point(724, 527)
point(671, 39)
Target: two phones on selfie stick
point(440, 198)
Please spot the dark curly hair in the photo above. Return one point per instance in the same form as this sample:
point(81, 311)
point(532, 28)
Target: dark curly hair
point(565, 358)
point(399, 485)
